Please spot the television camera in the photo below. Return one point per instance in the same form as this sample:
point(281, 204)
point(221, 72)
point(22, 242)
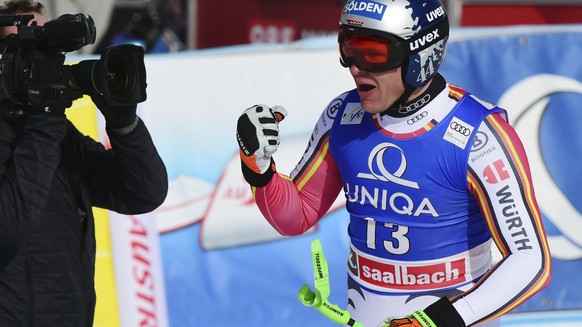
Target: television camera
point(34, 76)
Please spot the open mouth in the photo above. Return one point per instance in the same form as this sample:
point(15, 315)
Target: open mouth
point(365, 87)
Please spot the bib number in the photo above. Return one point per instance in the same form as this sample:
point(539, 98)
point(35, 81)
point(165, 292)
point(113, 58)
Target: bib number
point(397, 243)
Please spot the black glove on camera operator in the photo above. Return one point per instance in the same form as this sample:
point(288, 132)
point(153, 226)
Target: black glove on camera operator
point(121, 118)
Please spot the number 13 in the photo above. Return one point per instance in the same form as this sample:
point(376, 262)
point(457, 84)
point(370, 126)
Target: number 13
point(399, 242)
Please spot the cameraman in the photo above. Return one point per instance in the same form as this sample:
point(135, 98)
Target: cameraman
point(50, 178)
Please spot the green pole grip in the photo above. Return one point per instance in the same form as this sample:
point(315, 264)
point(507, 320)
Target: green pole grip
point(318, 299)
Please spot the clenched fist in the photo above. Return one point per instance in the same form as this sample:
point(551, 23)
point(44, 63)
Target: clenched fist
point(257, 133)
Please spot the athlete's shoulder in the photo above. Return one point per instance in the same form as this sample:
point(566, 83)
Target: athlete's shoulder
point(458, 93)
point(339, 103)
point(340, 100)
point(465, 98)
point(455, 92)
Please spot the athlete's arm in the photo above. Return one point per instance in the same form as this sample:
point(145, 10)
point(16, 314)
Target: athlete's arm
point(292, 205)
point(500, 179)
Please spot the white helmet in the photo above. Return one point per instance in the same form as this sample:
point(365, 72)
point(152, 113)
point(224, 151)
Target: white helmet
point(384, 34)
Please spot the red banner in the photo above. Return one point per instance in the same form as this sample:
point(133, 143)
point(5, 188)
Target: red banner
point(253, 21)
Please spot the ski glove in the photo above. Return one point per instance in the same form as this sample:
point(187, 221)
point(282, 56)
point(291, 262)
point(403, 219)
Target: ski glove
point(257, 133)
point(408, 321)
point(442, 313)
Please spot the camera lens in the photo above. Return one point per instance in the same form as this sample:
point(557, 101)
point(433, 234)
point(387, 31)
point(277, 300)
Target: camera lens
point(119, 75)
point(117, 78)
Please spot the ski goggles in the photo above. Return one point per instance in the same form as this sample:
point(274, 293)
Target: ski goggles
point(369, 52)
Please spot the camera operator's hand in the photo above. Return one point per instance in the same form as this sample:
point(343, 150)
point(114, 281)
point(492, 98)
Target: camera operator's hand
point(116, 117)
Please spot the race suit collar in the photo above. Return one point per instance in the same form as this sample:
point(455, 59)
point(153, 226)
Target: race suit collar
point(436, 86)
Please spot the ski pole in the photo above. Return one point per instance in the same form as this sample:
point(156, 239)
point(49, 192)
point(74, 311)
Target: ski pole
point(318, 298)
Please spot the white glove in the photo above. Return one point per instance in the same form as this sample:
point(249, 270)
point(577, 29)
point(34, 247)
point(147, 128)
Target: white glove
point(257, 133)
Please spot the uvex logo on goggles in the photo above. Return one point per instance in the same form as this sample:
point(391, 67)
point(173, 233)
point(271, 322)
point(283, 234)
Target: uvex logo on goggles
point(368, 9)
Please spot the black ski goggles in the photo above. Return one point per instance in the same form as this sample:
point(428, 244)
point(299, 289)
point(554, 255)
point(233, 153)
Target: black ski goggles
point(369, 52)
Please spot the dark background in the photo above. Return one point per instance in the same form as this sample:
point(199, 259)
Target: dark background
point(176, 25)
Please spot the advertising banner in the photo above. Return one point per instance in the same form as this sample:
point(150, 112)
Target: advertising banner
point(140, 285)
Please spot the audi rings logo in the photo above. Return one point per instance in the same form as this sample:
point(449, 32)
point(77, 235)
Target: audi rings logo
point(417, 118)
point(378, 170)
point(460, 128)
point(458, 132)
point(415, 105)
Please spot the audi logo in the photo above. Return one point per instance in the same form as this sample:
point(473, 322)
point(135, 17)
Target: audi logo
point(416, 105)
point(417, 118)
point(460, 129)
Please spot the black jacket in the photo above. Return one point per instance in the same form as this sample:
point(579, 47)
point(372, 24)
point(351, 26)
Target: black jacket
point(50, 177)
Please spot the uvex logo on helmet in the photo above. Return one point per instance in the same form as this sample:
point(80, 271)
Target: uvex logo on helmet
point(425, 40)
point(435, 14)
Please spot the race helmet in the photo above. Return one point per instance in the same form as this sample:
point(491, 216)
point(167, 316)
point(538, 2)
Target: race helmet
point(385, 34)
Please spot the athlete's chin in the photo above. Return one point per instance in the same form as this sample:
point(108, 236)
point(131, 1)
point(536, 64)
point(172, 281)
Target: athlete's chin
point(372, 106)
